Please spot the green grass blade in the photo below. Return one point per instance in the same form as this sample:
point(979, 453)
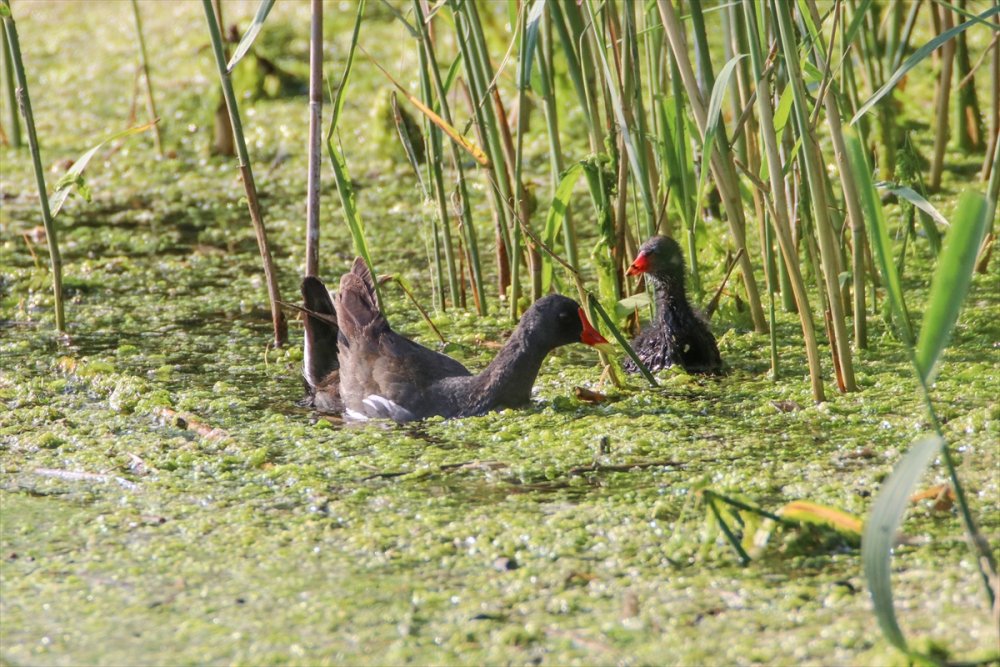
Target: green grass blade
point(263, 9)
point(856, 20)
point(880, 533)
point(74, 176)
point(338, 101)
point(951, 281)
point(346, 192)
point(878, 233)
point(918, 56)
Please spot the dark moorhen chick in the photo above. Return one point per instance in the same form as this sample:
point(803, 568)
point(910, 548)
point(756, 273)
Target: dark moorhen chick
point(373, 372)
point(677, 336)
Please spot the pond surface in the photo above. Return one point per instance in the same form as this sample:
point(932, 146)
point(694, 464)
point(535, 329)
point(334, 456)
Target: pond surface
point(165, 499)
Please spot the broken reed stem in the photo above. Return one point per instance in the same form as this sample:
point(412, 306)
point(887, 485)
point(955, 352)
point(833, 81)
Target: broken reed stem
point(315, 131)
point(246, 173)
point(144, 63)
point(24, 103)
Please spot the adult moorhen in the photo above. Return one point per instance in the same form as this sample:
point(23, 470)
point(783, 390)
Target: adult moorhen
point(356, 364)
point(677, 336)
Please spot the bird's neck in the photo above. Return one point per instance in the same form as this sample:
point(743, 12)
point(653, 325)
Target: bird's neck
point(510, 376)
point(671, 299)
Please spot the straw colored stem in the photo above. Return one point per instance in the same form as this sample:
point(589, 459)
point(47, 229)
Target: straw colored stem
point(144, 63)
point(780, 209)
point(817, 189)
point(721, 160)
point(246, 172)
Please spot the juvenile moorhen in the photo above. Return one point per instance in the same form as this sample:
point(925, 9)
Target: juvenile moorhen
point(677, 336)
point(356, 363)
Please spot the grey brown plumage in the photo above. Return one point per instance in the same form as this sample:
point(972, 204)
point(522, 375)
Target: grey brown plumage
point(381, 374)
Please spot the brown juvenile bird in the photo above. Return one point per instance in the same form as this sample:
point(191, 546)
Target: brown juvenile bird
point(677, 335)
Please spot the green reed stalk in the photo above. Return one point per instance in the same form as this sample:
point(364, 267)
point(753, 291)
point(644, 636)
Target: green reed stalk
point(476, 62)
point(24, 102)
point(780, 207)
point(246, 172)
point(811, 157)
point(721, 160)
point(9, 90)
point(436, 175)
point(467, 227)
point(556, 163)
point(315, 132)
point(144, 64)
point(521, 211)
point(852, 197)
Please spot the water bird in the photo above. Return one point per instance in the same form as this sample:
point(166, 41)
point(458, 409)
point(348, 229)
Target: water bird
point(356, 364)
point(677, 335)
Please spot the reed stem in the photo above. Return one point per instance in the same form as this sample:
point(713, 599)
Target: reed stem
point(24, 103)
point(246, 172)
point(144, 63)
point(315, 132)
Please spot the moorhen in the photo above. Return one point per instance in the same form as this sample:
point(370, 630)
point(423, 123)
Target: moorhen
point(356, 364)
point(677, 336)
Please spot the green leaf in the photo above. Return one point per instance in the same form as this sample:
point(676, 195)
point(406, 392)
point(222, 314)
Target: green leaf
point(917, 57)
point(73, 178)
point(951, 280)
point(859, 16)
point(714, 119)
point(914, 198)
point(531, 42)
point(880, 533)
point(555, 217)
point(783, 110)
point(629, 304)
point(5, 10)
point(878, 232)
point(251, 34)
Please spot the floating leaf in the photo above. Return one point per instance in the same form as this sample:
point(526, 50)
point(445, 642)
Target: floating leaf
point(804, 511)
point(880, 533)
point(251, 34)
point(951, 280)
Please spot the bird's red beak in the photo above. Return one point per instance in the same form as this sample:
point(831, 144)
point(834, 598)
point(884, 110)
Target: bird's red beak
point(590, 335)
point(640, 265)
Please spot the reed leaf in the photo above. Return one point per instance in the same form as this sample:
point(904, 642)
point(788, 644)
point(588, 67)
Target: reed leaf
point(915, 198)
point(530, 37)
point(338, 99)
point(878, 233)
point(951, 281)
point(595, 305)
point(880, 533)
point(72, 180)
point(918, 56)
point(714, 119)
point(556, 216)
point(263, 9)
point(469, 146)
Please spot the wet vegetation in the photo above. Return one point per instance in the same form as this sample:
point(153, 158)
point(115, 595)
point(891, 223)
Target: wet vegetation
point(165, 499)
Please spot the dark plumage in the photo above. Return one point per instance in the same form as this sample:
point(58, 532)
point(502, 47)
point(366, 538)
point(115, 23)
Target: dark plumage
point(677, 336)
point(374, 372)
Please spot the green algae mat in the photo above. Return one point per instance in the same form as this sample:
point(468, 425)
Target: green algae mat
point(166, 501)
